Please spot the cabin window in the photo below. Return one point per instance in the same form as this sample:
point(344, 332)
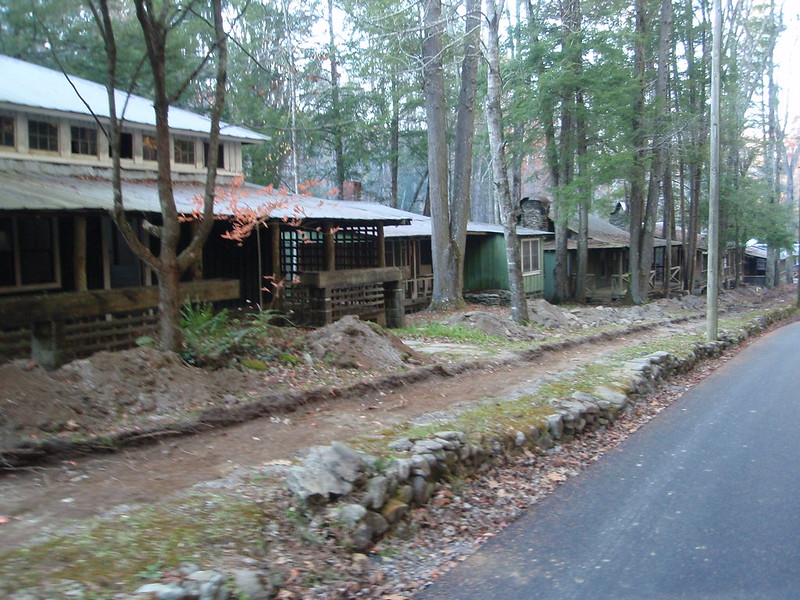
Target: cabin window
point(220, 155)
point(125, 145)
point(184, 151)
point(42, 135)
point(7, 137)
point(84, 140)
point(149, 149)
point(530, 256)
point(28, 253)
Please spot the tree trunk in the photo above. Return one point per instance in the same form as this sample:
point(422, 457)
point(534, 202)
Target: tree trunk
point(169, 307)
point(669, 225)
point(636, 289)
point(494, 122)
point(446, 263)
point(338, 145)
point(168, 264)
point(394, 142)
point(465, 134)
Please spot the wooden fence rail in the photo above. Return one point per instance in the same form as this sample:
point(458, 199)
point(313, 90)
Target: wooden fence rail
point(54, 328)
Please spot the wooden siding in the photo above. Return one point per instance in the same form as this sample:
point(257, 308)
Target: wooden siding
point(486, 269)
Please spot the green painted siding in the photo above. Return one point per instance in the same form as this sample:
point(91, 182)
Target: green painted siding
point(549, 276)
point(485, 267)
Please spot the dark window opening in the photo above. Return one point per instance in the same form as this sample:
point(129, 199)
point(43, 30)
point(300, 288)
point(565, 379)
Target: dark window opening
point(42, 135)
point(184, 152)
point(220, 155)
point(125, 145)
point(7, 137)
point(27, 252)
point(84, 140)
point(149, 149)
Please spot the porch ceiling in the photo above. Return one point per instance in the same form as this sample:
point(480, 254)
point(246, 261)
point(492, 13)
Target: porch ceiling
point(23, 190)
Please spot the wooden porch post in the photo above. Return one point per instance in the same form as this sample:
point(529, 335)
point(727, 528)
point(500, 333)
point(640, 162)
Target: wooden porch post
point(381, 246)
point(79, 253)
point(330, 246)
point(48, 344)
point(275, 252)
point(197, 267)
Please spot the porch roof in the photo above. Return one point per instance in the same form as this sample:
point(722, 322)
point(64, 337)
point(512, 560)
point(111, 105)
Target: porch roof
point(27, 191)
point(421, 227)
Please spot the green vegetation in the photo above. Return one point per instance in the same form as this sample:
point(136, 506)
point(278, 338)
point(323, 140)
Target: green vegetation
point(436, 329)
point(215, 339)
point(127, 550)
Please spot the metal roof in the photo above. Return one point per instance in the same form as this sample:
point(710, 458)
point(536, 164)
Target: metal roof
point(27, 85)
point(28, 191)
point(421, 227)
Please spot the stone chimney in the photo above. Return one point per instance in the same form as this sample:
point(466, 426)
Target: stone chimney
point(534, 213)
point(352, 191)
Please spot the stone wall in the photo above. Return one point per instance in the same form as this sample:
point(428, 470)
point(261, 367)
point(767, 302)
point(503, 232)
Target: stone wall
point(370, 497)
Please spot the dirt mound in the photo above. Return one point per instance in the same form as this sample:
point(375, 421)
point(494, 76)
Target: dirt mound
point(108, 391)
point(541, 312)
point(354, 344)
point(494, 325)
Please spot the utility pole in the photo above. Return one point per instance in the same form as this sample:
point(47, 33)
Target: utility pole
point(712, 312)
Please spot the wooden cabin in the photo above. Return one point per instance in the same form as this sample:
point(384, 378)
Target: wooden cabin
point(56, 235)
point(409, 247)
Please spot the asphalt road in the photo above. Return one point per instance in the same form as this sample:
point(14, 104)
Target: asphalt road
point(702, 503)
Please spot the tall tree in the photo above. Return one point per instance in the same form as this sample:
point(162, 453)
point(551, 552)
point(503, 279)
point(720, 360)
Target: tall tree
point(494, 121)
point(464, 138)
point(157, 23)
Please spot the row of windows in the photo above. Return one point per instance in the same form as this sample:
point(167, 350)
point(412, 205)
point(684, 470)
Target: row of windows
point(43, 136)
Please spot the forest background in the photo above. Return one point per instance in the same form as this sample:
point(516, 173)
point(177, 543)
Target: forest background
point(595, 103)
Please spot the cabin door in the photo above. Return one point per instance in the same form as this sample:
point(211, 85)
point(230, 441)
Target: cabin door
point(123, 269)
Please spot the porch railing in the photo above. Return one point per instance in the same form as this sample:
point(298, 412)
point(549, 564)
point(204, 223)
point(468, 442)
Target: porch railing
point(321, 297)
point(54, 328)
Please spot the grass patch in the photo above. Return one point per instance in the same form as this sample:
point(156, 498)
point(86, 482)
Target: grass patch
point(447, 332)
point(121, 553)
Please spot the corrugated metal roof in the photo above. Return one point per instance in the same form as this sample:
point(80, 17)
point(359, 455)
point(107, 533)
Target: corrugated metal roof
point(28, 85)
point(421, 227)
point(23, 191)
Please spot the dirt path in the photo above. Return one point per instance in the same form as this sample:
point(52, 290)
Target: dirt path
point(43, 500)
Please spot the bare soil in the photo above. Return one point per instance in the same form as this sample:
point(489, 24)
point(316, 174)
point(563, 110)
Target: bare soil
point(132, 389)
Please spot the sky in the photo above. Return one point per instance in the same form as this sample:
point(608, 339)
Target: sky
point(787, 55)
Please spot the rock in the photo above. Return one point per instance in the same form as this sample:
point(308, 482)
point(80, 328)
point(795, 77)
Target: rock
point(394, 510)
point(453, 436)
point(326, 471)
point(316, 484)
point(423, 490)
point(252, 585)
point(376, 522)
point(206, 585)
point(617, 399)
point(519, 439)
point(401, 445)
point(426, 446)
point(420, 465)
point(405, 494)
point(555, 426)
point(375, 494)
point(160, 591)
point(345, 462)
point(350, 514)
point(371, 527)
point(399, 469)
